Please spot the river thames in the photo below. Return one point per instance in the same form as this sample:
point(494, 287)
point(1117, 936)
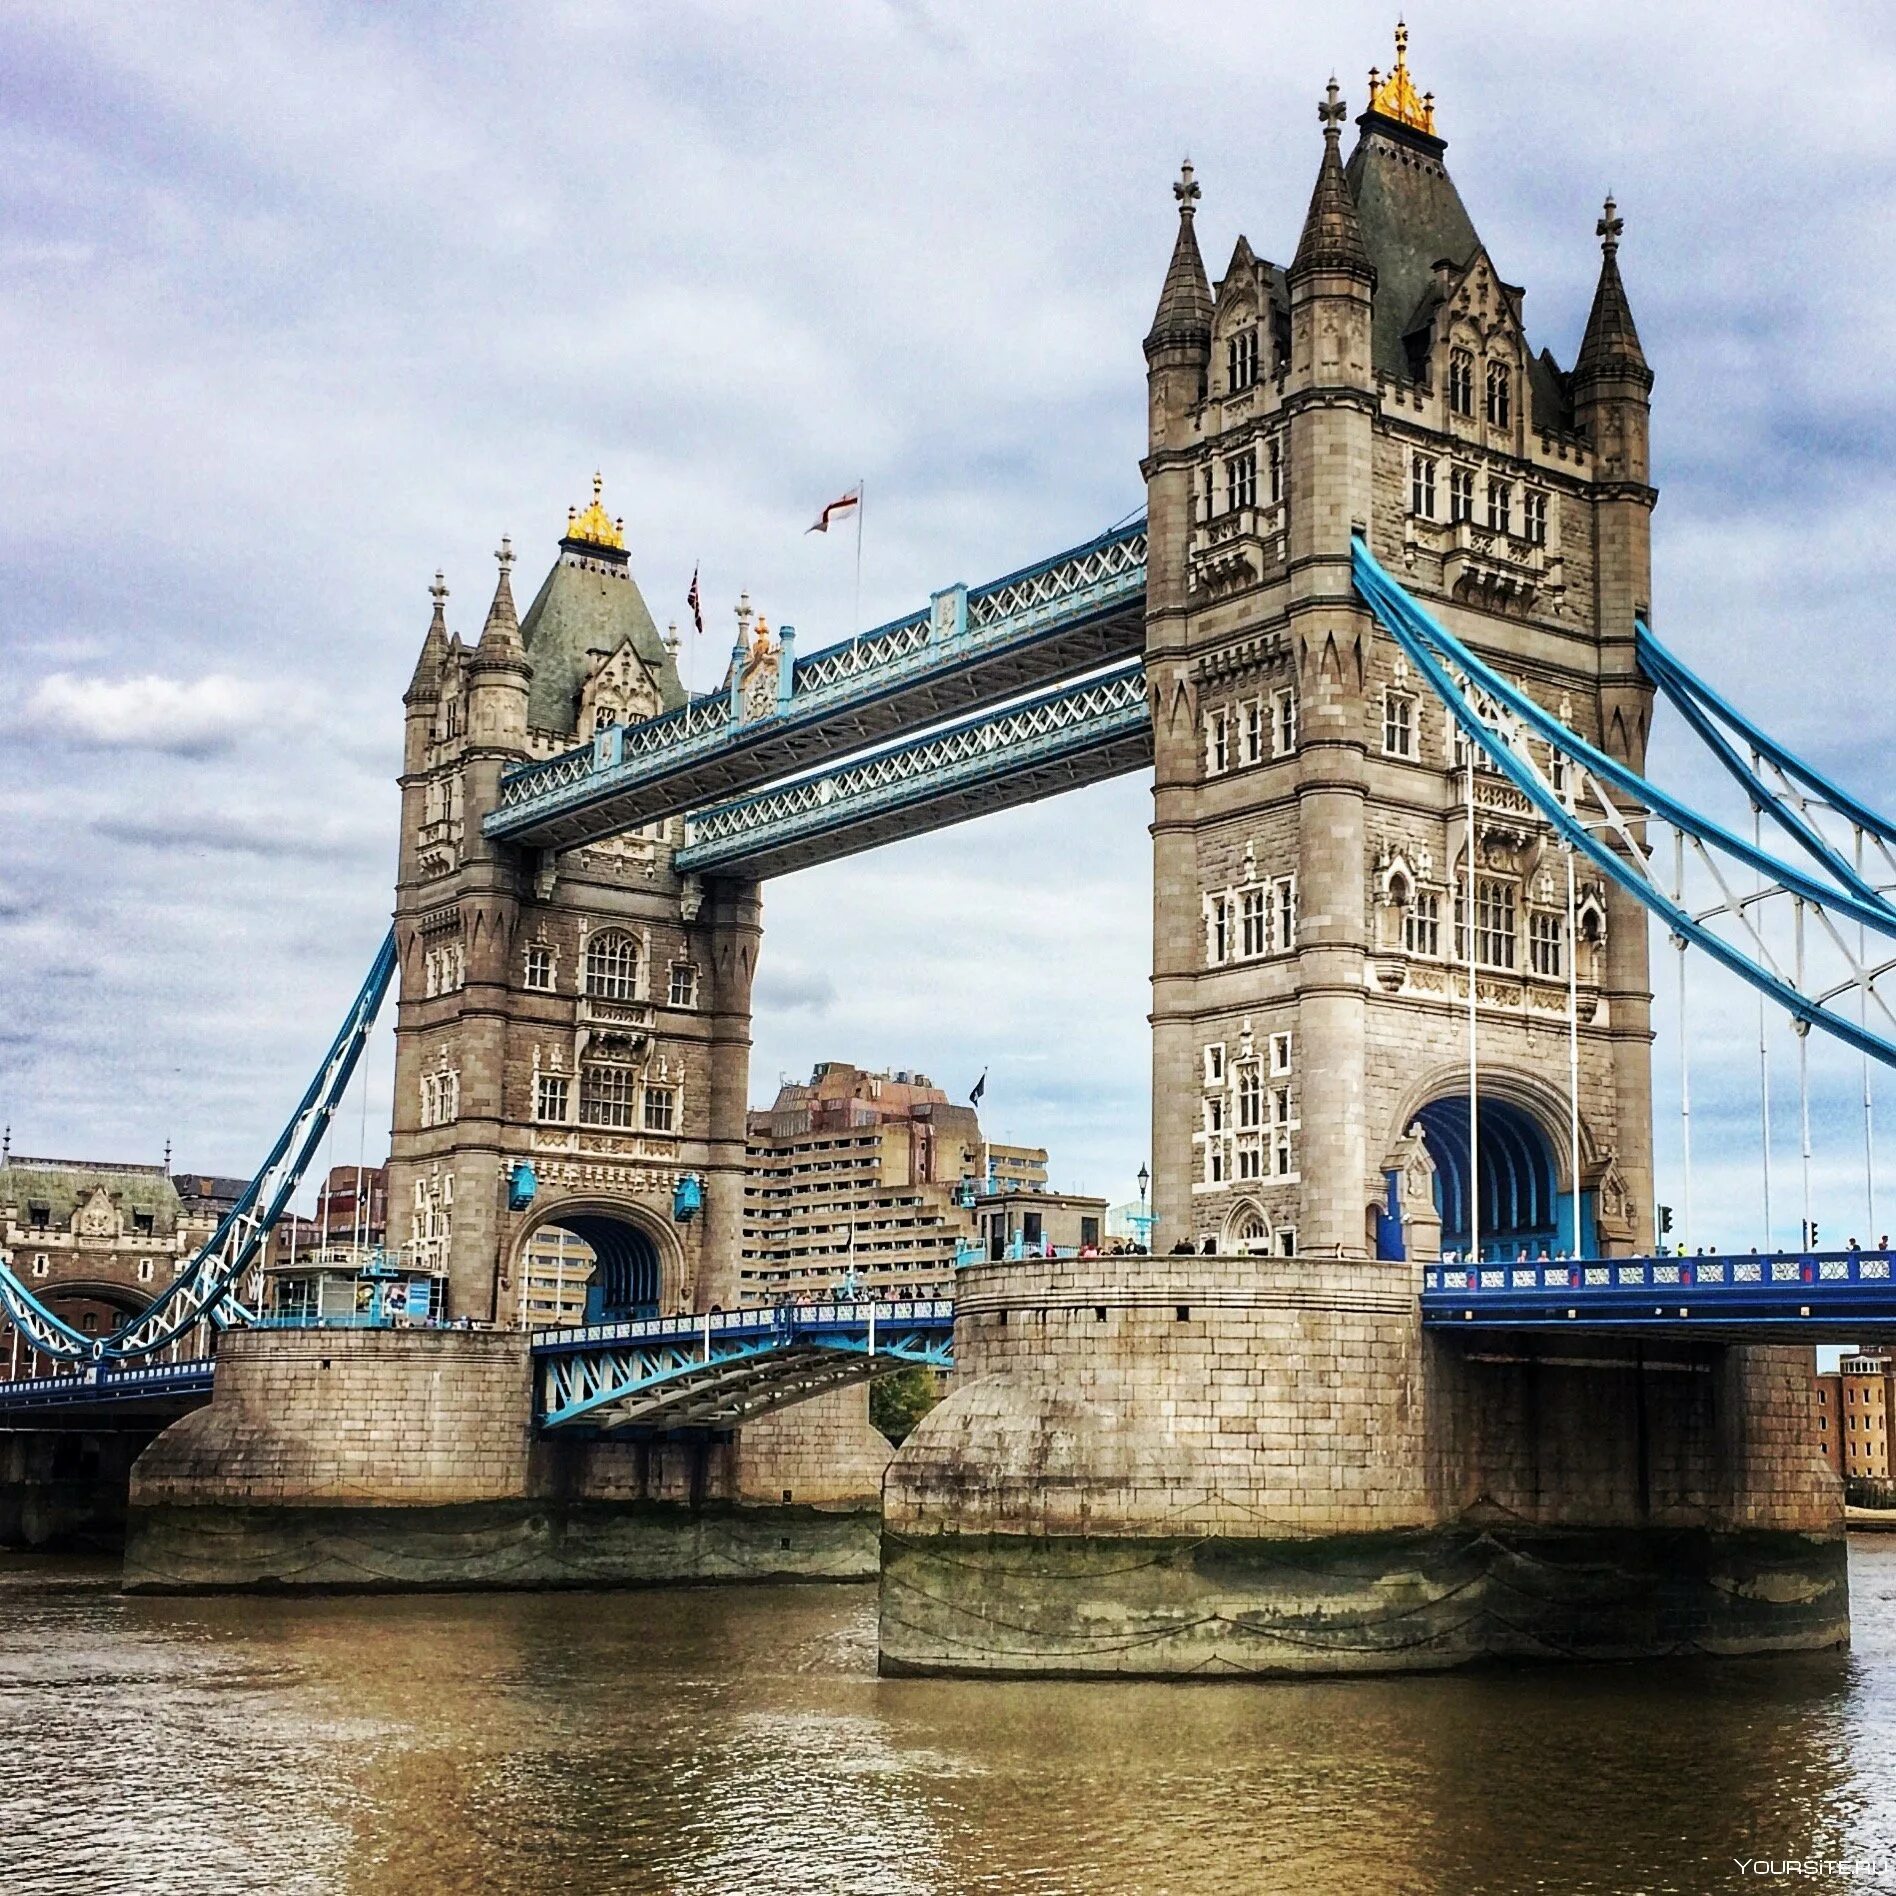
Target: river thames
point(740, 1741)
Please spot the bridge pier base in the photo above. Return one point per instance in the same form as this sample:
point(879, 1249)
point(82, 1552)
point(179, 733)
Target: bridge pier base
point(65, 1488)
point(1264, 1466)
point(385, 1460)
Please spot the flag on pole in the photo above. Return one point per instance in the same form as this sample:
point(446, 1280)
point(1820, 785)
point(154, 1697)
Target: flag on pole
point(980, 1087)
point(847, 503)
point(695, 603)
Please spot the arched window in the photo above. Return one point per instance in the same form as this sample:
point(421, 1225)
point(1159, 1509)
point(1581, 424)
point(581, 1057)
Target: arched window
point(612, 966)
point(1500, 394)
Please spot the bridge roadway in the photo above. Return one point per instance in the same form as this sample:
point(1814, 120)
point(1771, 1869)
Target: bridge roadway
point(1776, 1297)
point(92, 1394)
point(725, 1368)
point(970, 650)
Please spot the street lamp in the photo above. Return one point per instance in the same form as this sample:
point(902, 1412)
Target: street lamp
point(1145, 1223)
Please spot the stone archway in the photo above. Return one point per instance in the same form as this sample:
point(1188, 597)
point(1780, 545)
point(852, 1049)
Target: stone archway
point(621, 1262)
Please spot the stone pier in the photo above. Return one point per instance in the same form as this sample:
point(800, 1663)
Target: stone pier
point(1205, 1466)
point(386, 1459)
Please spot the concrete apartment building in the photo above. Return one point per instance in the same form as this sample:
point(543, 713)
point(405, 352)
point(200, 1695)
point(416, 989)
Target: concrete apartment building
point(864, 1171)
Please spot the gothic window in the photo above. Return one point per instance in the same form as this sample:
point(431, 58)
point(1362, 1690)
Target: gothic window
point(551, 1092)
point(1287, 1241)
point(661, 1108)
point(1495, 902)
point(1215, 1113)
point(1250, 1158)
point(605, 1095)
point(1557, 771)
point(1241, 359)
point(1250, 1098)
point(1534, 516)
point(1422, 486)
point(684, 984)
point(144, 1270)
point(1254, 732)
point(1215, 1162)
point(1218, 921)
point(1545, 935)
point(1285, 889)
point(1500, 394)
point(1217, 742)
point(1283, 723)
point(1253, 924)
point(612, 966)
point(1422, 924)
point(1398, 724)
point(1500, 506)
point(40, 1265)
point(1274, 455)
point(1280, 1053)
point(1241, 480)
point(539, 969)
point(440, 1098)
point(1461, 382)
point(1461, 494)
point(605, 716)
point(1215, 1063)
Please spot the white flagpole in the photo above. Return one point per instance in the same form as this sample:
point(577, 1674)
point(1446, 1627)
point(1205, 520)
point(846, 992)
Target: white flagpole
point(860, 488)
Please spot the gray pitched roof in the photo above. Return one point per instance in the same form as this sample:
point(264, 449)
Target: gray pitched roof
point(588, 607)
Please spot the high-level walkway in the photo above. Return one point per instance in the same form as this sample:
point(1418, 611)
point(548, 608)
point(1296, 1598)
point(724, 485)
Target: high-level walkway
point(968, 651)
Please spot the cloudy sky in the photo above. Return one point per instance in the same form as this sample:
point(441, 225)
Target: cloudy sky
point(300, 302)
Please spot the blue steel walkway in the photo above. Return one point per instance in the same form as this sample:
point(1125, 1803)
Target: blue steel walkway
point(967, 651)
point(719, 1370)
point(1779, 1297)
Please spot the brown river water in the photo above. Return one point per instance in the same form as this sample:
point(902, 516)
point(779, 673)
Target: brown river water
point(739, 1741)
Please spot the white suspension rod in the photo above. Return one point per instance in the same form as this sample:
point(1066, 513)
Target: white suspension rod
point(1474, 1053)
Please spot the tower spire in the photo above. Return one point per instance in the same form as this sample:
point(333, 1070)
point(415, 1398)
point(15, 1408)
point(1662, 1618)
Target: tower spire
point(434, 647)
point(500, 636)
point(1332, 237)
point(1183, 317)
point(1610, 346)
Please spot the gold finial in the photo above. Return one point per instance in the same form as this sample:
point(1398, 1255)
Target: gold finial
point(1396, 97)
point(595, 526)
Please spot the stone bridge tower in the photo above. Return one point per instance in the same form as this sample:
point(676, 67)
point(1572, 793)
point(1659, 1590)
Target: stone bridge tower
point(1257, 1460)
point(1312, 846)
point(573, 1035)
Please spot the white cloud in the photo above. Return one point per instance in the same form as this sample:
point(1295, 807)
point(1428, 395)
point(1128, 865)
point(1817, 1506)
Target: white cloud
point(185, 717)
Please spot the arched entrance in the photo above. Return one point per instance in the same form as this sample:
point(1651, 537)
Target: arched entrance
point(589, 1264)
point(1522, 1209)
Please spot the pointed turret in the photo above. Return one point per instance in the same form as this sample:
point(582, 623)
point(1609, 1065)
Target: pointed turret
point(1183, 318)
point(426, 683)
point(1610, 348)
point(500, 636)
point(1332, 239)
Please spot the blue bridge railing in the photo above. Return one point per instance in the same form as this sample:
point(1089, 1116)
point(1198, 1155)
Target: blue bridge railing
point(1825, 1296)
point(93, 1384)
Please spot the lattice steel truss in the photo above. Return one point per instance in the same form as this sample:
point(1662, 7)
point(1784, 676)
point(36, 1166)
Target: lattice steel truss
point(897, 673)
point(204, 1290)
point(726, 1368)
point(1104, 719)
point(1605, 810)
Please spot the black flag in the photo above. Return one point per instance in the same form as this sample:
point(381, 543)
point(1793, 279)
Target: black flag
point(980, 1087)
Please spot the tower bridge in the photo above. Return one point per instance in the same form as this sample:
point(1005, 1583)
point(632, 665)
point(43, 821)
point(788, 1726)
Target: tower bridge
point(1383, 636)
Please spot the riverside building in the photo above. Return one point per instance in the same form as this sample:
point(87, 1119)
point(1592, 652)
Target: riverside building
point(871, 1178)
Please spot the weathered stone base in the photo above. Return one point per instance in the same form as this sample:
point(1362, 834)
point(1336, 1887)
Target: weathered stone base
point(1423, 1600)
point(65, 1490)
point(489, 1545)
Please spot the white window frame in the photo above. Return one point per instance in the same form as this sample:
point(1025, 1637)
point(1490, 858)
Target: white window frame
point(552, 1098)
point(1422, 486)
point(537, 972)
point(1283, 722)
point(1399, 723)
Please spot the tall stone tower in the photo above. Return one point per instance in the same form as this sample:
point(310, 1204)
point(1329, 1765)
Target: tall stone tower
point(573, 1035)
point(1312, 846)
point(1258, 1460)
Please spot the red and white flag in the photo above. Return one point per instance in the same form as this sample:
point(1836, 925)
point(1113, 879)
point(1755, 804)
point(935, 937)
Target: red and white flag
point(695, 603)
point(848, 503)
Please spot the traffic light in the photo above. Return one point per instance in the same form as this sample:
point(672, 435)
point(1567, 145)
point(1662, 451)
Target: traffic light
point(1665, 1219)
point(1810, 1234)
